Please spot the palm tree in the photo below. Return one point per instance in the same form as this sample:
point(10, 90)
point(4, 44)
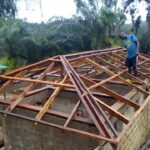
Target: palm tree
point(7, 8)
point(91, 20)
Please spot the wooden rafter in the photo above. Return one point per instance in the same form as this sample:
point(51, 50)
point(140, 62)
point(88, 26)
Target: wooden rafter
point(85, 75)
point(121, 78)
point(50, 100)
point(113, 111)
point(35, 81)
point(72, 113)
point(29, 88)
point(125, 71)
point(116, 96)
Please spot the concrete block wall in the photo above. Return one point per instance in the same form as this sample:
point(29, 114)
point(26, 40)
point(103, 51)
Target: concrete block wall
point(22, 134)
point(137, 131)
point(18, 133)
point(149, 120)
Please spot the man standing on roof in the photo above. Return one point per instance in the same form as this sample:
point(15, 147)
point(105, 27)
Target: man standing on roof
point(131, 44)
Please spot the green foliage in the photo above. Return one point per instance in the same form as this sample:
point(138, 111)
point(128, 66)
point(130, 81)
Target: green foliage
point(145, 43)
point(113, 17)
point(7, 8)
point(11, 63)
point(3, 60)
point(110, 41)
point(110, 3)
point(94, 27)
point(91, 21)
point(109, 17)
point(22, 42)
point(32, 42)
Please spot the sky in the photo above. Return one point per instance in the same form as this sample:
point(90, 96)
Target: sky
point(49, 8)
point(141, 11)
point(31, 11)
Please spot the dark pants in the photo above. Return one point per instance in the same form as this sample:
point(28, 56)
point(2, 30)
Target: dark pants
point(132, 63)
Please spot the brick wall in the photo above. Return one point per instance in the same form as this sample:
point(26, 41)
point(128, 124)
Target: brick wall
point(137, 131)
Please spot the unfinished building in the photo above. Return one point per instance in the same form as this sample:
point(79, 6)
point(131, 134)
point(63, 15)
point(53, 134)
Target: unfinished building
point(83, 101)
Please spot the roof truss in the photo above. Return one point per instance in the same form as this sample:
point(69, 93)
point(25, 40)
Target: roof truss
point(93, 76)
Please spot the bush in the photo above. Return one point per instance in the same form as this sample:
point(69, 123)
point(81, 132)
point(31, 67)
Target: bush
point(145, 43)
point(110, 41)
point(11, 63)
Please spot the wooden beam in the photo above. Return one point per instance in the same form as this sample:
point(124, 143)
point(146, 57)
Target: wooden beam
point(140, 63)
point(116, 60)
point(118, 105)
point(111, 82)
point(115, 95)
point(5, 85)
point(72, 113)
point(28, 89)
point(61, 128)
point(115, 67)
point(120, 62)
point(121, 78)
point(43, 62)
point(106, 80)
point(113, 111)
point(35, 81)
point(119, 97)
point(97, 66)
point(148, 59)
point(55, 113)
point(108, 63)
point(95, 111)
point(144, 68)
point(75, 56)
point(50, 101)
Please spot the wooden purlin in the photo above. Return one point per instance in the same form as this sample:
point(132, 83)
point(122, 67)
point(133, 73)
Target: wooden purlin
point(115, 95)
point(91, 53)
point(29, 88)
point(43, 62)
point(118, 105)
point(72, 113)
point(50, 101)
point(139, 64)
point(7, 83)
point(95, 53)
point(68, 129)
point(49, 112)
point(113, 111)
point(139, 81)
point(90, 104)
point(85, 86)
point(106, 80)
point(121, 62)
point(35, 81)
point(121, 78)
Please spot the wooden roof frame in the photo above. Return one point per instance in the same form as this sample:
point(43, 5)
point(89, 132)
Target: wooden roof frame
point(108, 61)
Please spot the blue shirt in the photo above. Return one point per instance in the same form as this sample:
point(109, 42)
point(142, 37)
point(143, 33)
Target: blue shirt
point(131, 44)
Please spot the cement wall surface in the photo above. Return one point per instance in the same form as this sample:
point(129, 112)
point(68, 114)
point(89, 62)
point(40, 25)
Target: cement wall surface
point(22, 134)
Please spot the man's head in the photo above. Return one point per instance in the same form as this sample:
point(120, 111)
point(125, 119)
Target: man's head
point(123, 36)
